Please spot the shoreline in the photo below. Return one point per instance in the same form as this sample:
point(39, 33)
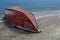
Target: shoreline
point(38, 15)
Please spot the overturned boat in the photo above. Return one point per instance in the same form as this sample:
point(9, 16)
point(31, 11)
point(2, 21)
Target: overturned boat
point(21, 19)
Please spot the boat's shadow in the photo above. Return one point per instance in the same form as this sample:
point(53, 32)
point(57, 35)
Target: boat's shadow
point(14, 28)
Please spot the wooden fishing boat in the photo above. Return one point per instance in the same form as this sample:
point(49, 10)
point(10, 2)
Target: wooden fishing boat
point(21, 18)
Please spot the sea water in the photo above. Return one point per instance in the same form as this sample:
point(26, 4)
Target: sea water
point(31, 5)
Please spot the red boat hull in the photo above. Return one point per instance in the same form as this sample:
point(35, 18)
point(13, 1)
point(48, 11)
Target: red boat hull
point(21, 18)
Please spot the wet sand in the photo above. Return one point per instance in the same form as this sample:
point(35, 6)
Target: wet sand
point(49, 25)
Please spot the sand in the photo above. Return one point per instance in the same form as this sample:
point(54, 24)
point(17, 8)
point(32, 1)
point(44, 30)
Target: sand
point(48, 22)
